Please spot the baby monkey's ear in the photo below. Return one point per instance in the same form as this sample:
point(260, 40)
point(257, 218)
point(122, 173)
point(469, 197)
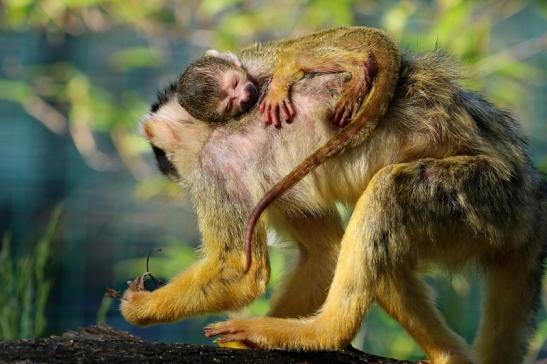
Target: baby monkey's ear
point(227, 56)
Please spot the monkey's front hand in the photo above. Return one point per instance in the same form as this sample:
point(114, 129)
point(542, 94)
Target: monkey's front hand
point(273, 333)
point(246, 332)
point(135, 301)
point(275, 102)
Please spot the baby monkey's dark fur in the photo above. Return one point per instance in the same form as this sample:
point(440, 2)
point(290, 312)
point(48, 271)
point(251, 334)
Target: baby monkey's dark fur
point(199, 88)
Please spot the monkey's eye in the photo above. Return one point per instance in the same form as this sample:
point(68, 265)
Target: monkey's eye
point(236, 82)
point(229, 106)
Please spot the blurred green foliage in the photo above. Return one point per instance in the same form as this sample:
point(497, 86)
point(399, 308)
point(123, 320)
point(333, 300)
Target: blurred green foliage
point(26, 283)
point(61, 95)
point(501, 60)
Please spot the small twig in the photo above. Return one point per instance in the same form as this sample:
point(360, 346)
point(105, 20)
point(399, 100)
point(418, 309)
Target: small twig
point(157, 282)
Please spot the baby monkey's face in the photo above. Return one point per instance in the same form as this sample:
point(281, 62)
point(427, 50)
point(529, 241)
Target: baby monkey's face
point(237, 93)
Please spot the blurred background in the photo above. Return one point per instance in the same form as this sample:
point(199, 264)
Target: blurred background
point(81, 201)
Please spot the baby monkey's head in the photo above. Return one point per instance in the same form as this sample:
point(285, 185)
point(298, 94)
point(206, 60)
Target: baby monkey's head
point(216, 90)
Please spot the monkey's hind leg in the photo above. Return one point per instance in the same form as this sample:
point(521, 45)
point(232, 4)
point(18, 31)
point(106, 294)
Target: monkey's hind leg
point(306, 287)
point(513, 289)
point(374, 246)
point(406, 298)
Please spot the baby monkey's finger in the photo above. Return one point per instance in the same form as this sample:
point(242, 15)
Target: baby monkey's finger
point(266, 114)
point(335, 118)
point(345, 118)
point(275, 116)
point(290, 106)
point(286, 113)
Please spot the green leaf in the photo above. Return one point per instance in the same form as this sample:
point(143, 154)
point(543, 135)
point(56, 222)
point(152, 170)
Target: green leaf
point(16, 91)
point(138, 57)
point(213, 7)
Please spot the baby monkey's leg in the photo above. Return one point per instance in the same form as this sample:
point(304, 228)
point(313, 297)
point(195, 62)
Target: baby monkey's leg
point(361, 65)
point(292, 66)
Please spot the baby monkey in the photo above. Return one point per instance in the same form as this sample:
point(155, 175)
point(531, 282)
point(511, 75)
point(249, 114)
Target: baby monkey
point(221, 86)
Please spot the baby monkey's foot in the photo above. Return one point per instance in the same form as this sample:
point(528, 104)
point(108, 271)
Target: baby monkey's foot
point(345, 110)
point(354, 93)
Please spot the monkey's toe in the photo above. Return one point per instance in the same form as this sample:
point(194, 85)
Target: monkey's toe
point(231, 332)
point(137, 284)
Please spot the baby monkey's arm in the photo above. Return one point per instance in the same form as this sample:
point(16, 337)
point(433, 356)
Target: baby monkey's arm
point(320, 59)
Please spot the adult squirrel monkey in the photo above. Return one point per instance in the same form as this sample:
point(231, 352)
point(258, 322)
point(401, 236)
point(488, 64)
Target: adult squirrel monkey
point(444, 178)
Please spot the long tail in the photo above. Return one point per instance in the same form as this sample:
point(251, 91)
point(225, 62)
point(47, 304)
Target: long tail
point(371, 111)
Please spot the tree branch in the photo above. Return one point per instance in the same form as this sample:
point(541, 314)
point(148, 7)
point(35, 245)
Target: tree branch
point(108, 345)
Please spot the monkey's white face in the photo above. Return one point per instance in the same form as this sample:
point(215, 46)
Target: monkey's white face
point(238, 93)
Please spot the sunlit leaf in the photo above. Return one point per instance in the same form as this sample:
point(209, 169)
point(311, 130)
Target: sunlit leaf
point(395, 19)
point(17, 91)
point(212, 7)
point(137, 57)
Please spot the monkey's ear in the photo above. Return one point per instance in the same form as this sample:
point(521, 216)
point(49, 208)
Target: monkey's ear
point(227, 56)
point(161, 133)
point(163, 127)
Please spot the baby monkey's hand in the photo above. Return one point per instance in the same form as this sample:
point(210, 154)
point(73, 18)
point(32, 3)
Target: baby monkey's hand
point(227, 56)
point(275, 102)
